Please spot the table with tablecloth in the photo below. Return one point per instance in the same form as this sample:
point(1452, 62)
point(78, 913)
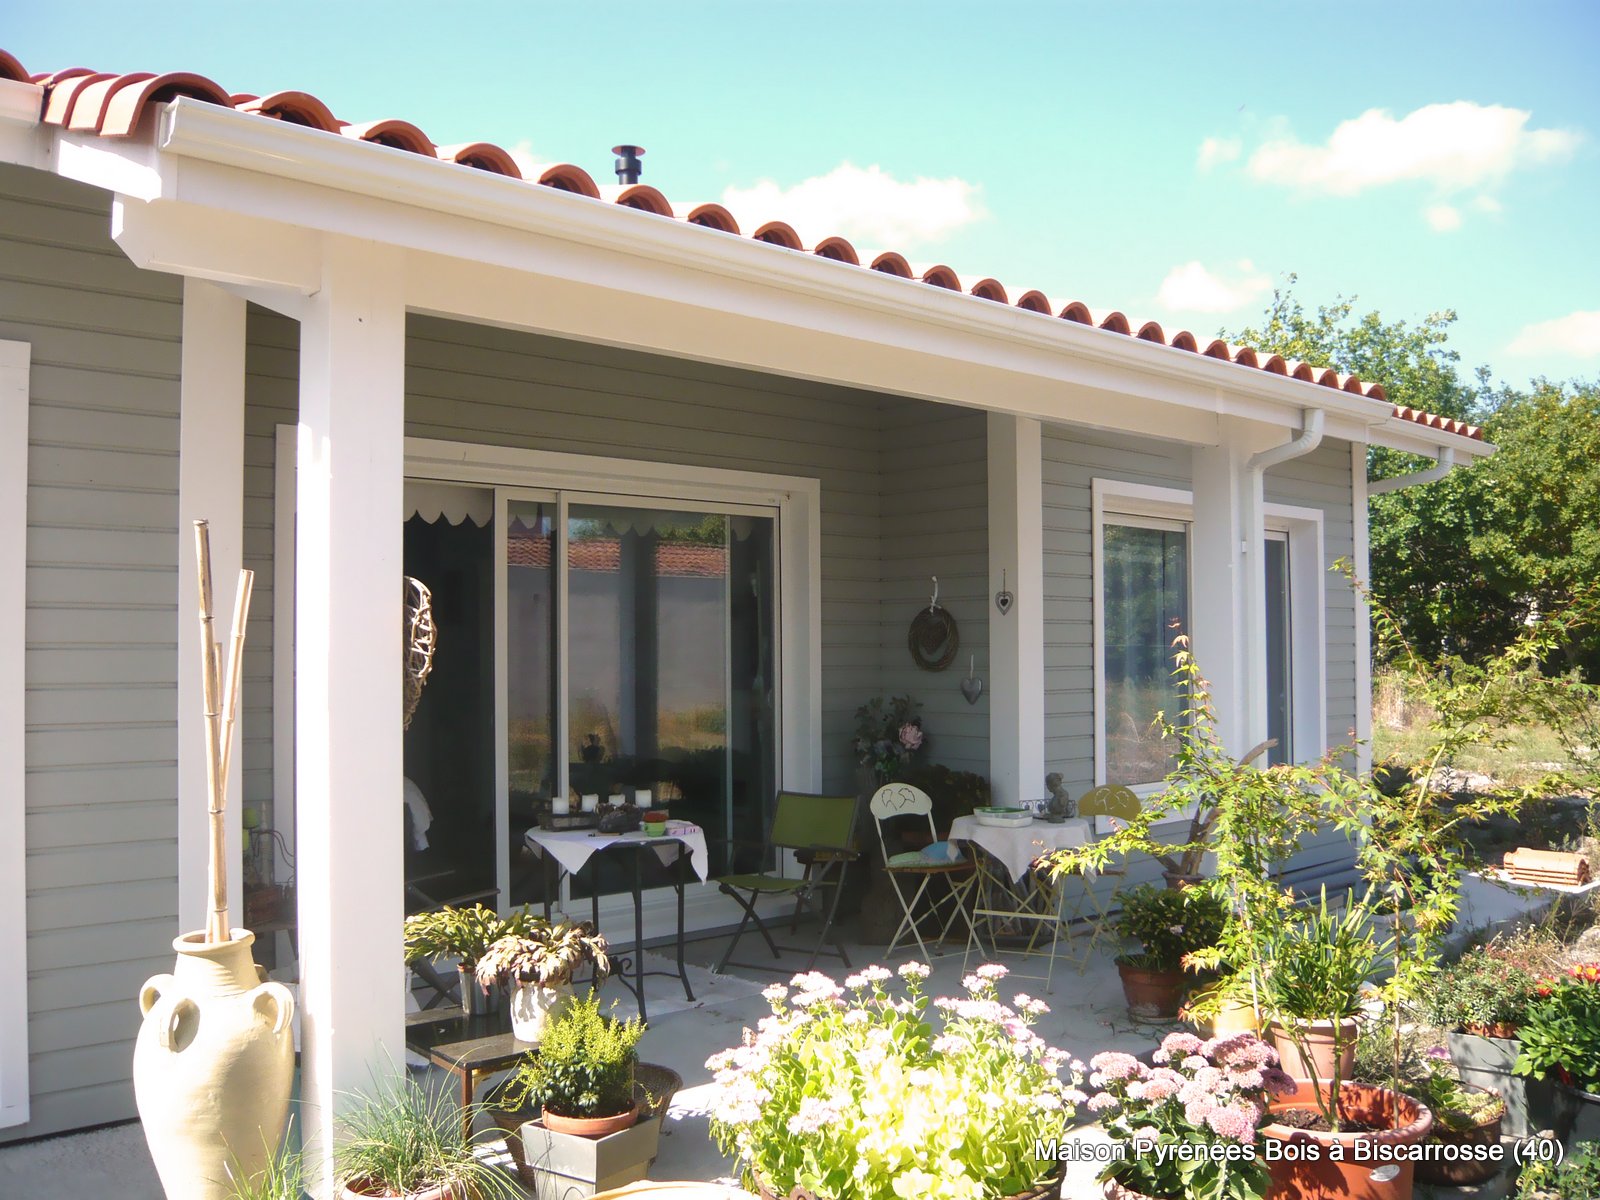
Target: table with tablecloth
point(572, 851)
point(1018, 901)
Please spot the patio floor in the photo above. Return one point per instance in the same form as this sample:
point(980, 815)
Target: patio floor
point(1087, 1015)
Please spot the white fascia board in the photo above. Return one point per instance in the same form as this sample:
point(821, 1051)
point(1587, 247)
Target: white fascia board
point(371, 174)
point(1397, 433)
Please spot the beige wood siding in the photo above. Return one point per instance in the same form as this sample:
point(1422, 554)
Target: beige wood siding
point(100, 664)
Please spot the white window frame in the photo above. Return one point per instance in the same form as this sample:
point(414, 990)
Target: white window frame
point(14, 363)
point(1116, 501)
point(797, 501)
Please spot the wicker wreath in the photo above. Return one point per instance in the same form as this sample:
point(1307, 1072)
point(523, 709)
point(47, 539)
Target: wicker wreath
point(420, 639)
point(933, 638)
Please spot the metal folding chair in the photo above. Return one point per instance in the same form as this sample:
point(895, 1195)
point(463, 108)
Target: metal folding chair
point(896, 800)
point(823, 826)
point(1092, 910)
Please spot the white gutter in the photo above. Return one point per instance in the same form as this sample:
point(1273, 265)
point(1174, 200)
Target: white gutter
point(1447, 460)
point(1309, 439)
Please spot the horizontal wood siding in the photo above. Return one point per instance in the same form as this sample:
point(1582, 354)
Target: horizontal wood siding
point(100, 666)
point(936, 522)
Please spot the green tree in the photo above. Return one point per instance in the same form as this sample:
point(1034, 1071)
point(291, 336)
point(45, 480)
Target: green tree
point(1421, 543)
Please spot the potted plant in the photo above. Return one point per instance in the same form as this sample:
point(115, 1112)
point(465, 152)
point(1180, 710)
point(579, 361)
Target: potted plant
point(537, 966)
point(1478, 1002)
point(591, 1134)
point(1560, 1040)
point(1210, 1095)
point(404, 1140)
point(1314, 971)
point(1167, 925)
point(464, 934)
point(859, 1091)
point(888, 737)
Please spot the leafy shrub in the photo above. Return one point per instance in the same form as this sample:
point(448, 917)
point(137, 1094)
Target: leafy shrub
point(1578, 1178)
point(1481, 993)
point(1560, 1036)
point(584, 1067)
point(1168, 924)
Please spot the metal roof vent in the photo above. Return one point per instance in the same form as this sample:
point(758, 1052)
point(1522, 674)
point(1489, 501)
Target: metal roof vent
point(628, 166)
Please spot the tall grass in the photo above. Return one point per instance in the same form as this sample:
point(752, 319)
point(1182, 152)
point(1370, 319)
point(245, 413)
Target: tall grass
point(405, 1137)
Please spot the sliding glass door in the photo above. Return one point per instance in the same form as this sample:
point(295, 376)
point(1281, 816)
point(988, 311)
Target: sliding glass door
point(640, 661)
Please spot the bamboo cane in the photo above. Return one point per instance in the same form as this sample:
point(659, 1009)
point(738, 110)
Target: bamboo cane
point(216, 871)
point(231, 684)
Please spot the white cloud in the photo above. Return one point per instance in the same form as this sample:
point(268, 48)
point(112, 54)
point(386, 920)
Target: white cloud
point(865, 204)
point(1443, 218)
point(1487, 204)
point(1453, 146)
point(1193, 288)
point(1216, 151)
point(522, 154)
point(1576, 334)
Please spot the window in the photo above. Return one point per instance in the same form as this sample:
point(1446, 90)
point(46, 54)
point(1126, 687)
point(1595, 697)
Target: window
point(1141, 604)
point(1145, 606)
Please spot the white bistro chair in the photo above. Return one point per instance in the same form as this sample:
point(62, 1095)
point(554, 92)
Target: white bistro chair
point(939, 860)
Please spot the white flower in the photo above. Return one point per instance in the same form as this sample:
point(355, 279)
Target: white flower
point(914, 970)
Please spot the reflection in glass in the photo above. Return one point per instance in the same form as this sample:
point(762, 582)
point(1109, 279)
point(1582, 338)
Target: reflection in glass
point(1145, 606)
point(1279, 701)
point(530, 678)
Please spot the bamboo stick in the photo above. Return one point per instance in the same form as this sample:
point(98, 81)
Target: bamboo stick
point(216, 872)
point(231, 683)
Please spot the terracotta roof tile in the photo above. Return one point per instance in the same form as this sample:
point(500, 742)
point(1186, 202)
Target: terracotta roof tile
point(113, 105)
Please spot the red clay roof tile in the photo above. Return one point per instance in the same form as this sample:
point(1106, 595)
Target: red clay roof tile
point(113, 106)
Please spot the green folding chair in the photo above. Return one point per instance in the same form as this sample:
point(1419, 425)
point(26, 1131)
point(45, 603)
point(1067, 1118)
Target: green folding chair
point(824, 827)
point(1091, 912)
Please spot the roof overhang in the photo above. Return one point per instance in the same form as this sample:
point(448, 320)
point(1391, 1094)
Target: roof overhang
point(229, 196)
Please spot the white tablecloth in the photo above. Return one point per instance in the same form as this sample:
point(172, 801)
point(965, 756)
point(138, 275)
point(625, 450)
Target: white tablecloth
point(1016, 846)
point(572, 848)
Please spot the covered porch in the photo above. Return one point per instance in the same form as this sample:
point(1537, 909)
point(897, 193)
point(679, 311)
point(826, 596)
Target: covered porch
point(412, 322)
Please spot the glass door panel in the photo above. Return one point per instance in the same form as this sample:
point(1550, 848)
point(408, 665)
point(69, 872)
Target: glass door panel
point(1280, 711)
point(531, 764)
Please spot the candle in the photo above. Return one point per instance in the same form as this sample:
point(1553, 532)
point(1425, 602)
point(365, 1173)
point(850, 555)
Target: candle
point(616, 799)
point(591, 802)
point(642, 797)
point(560, 805)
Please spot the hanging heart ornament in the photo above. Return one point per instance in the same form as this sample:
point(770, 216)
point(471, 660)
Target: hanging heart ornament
point(972, 688)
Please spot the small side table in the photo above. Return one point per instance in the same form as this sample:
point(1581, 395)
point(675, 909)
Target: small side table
point(465, 1046)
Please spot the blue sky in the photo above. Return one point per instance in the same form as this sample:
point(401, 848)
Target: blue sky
point(1170, 160)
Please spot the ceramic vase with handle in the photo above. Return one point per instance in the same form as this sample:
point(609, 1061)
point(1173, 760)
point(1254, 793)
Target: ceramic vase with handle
point(212, 1067)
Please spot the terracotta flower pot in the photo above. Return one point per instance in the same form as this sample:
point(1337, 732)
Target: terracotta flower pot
point(1318, 1057)
point(448, 1191)
point(1463, 1171)
point(1302, 1163)
point(1155, 994)
point(591, 1127)
point(212, 1066)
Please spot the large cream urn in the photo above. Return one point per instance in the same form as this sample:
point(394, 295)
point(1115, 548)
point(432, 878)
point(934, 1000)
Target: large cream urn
point(212, 1066)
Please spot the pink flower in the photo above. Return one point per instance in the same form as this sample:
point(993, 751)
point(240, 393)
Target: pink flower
point(1235, 1122)
point(1115, 1065)
point(1102, 1102)
point(911, 737)
point(1178, 1045)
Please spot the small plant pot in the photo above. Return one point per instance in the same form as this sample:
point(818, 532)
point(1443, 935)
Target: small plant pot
point(447, 1191)
point(1155, 994)
point(591, 1127)
point(1583, 1125)
point(1461, 1170)
point(1532, 1105)
point(1317, 1060)
point(1302, 1164)
point(563, 1165)
point(533, 1007)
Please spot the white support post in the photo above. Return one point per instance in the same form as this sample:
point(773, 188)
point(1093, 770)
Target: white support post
point(1363, 569)
point(1219, 574)
point(210, 487)
point(348, 769)
point(1016, 637)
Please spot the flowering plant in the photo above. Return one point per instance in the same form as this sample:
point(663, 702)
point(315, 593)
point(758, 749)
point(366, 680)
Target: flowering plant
point(1561, 1034)
point(1168, 924)
point(852, 1092)
point(888, 735)
point(1184, 1124)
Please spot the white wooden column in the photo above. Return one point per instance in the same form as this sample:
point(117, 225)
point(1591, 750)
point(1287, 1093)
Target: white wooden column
point(210, 487)
point(348, 769)
point(1218, 576)
point(1016, 638)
